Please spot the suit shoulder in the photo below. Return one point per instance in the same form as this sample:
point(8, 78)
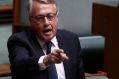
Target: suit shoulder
point(66, 33)
point(24, 35)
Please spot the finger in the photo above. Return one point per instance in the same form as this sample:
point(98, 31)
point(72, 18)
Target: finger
point(61, 55)
point(58, 58)
point(53, 58)
point(59, 51)
point(64, 56)
point(56, 54)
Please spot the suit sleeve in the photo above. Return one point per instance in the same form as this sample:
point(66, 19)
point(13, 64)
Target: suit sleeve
point(21, 59)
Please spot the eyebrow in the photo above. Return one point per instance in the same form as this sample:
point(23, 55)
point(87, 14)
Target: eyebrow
point(45, 14)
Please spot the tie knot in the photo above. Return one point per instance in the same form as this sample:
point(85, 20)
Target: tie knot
point(48, 43)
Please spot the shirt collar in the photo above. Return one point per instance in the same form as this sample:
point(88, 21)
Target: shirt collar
point(53, 40)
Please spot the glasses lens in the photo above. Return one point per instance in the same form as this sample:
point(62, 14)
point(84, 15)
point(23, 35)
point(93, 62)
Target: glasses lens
point(51, 17)
point(41, 18)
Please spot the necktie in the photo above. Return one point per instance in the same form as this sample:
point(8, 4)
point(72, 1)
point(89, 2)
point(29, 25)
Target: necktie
point(52, 68)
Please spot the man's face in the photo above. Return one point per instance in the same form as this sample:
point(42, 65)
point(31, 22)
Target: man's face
point(44, 20)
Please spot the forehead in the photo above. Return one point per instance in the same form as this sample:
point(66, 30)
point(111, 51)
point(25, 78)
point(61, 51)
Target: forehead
point(43, 8)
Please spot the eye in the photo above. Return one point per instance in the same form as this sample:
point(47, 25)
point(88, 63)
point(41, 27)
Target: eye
point(51, 16)
point(39, 18)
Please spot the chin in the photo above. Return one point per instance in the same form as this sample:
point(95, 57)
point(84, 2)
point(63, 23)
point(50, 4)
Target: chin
point(46, 39)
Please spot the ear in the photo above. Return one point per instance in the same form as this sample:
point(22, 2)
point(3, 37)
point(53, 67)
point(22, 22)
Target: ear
point(29, 18)
point(57, 13)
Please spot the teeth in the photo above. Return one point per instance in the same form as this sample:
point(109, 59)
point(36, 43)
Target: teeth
point(47, 30)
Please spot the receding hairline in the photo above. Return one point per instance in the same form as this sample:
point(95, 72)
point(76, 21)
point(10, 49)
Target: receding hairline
point(30, 2)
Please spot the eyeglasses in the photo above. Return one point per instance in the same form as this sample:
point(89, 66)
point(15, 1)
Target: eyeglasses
point(41, 18)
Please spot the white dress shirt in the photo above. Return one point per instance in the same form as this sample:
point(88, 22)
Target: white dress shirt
point(59, 67)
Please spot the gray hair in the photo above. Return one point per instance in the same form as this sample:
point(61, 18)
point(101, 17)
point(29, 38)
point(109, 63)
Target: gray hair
point(30, 3)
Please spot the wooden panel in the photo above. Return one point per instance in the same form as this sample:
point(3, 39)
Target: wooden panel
point(6, 8)
point(16, 13)
point(6, 14)
point(106, 22)
point(5, 70)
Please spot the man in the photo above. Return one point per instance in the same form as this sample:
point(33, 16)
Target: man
point(28, 49)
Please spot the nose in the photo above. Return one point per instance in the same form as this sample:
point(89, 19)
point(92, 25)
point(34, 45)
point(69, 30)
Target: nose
point(46, 21)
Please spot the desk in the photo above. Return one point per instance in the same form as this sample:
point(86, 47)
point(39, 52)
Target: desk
point(97, 77)
point(5, 70)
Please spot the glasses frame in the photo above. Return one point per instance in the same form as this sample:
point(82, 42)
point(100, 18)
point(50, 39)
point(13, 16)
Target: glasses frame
point(41, 18)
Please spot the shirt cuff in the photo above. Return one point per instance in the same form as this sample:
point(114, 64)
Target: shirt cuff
point(41, 64)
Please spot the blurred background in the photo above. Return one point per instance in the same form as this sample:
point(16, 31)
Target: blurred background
point(95, 21)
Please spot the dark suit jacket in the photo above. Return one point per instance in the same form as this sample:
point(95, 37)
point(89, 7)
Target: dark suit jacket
point(25, 51)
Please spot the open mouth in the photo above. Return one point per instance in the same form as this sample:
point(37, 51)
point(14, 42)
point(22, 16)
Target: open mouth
point(47, 31)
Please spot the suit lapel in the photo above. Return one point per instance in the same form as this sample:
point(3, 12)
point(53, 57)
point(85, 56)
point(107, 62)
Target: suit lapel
point(35, 43)
point(62, 45)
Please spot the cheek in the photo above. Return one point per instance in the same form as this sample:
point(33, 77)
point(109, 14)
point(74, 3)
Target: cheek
point(36, 27)
point(55, 25)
